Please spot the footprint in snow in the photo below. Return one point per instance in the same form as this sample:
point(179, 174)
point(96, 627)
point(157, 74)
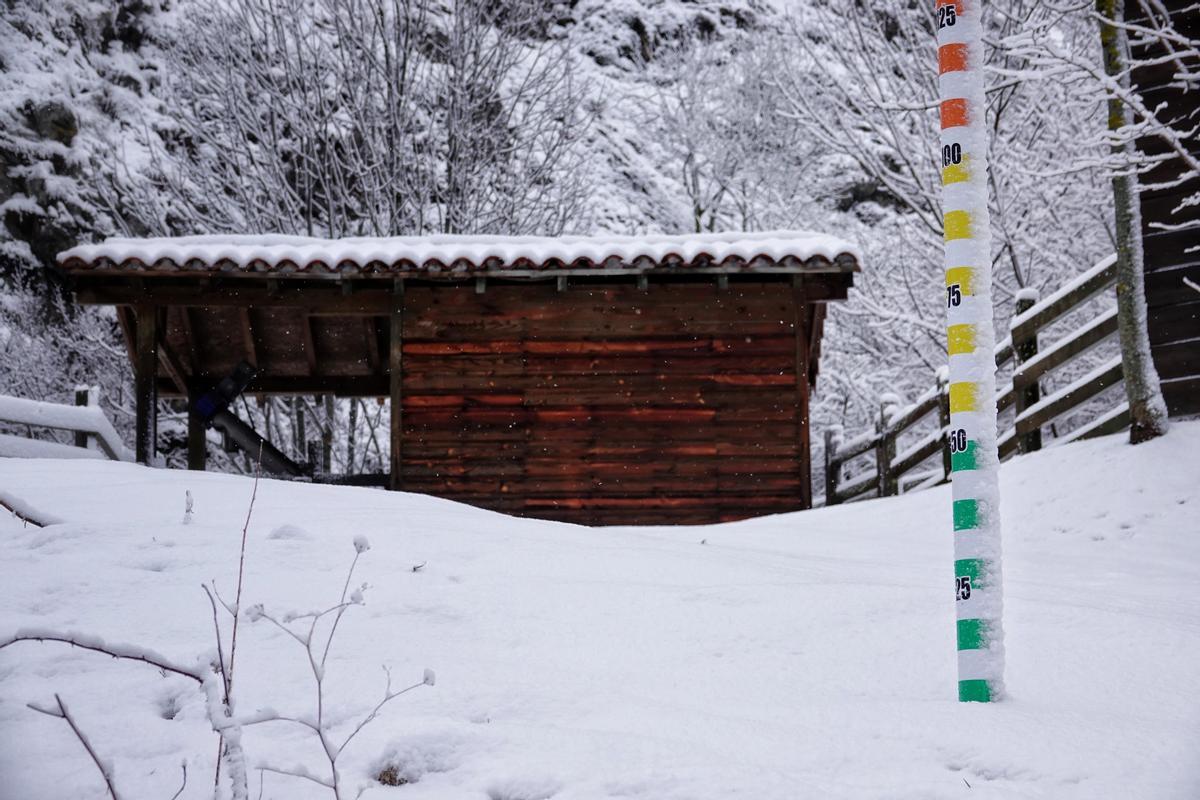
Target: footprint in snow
point(409, 759)
point(289, 532)
point(524, 789)
point(169, 703)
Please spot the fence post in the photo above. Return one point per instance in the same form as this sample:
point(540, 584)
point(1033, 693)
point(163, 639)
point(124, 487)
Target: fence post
point(82, 397)
point(885, 451)
point(145, 383)
point(1028, 396)
point(833, 467)
point(943, 384)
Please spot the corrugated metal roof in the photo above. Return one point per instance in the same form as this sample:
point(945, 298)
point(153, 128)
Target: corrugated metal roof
point(773, 251)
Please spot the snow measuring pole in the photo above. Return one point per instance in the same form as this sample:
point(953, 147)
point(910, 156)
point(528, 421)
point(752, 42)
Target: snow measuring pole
point(974, 460)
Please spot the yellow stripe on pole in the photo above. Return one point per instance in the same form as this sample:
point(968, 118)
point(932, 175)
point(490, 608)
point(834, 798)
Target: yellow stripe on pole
point(955, 173)
point(958, 225)
point(964, 397)
point(962, 339)
point(964, 277)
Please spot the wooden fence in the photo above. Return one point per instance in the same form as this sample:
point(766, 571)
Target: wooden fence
point(85, 420)
point(1031, 411)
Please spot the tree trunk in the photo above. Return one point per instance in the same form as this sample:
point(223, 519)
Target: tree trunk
point(1147, 410)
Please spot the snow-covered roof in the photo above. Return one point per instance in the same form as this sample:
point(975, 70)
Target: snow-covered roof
point(773, 251)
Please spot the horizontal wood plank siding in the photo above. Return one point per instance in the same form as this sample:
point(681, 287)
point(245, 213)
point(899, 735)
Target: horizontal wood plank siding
point(604, 405)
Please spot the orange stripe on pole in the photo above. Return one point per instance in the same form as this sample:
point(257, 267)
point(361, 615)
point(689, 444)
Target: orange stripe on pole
point(958, 5)
point(952, 58)
point(954, 113)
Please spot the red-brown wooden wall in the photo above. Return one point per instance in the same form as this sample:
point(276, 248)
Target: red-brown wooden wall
point(678, 403)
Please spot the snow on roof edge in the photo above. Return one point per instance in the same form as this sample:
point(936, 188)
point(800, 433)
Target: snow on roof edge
point(243, 250)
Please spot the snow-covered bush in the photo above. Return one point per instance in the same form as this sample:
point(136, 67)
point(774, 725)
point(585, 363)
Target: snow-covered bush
point(213, 674)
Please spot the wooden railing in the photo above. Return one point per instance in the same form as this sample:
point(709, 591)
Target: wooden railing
point(86, 420)
point(1031, 412)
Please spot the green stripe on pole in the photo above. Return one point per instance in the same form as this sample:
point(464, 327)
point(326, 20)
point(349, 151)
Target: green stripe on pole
point(975, 691)
point(972, 634)
point(963, 459)
point(966, 515)
point(969, 567)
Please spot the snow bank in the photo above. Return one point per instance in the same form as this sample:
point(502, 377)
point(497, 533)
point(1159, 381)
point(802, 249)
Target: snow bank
point(808, 655)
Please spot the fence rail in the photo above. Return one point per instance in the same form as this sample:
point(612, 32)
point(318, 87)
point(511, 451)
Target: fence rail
point(85, 420)
point(1031, 411)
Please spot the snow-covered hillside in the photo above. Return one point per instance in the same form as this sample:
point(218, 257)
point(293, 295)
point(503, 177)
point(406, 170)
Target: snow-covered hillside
point(806, 655)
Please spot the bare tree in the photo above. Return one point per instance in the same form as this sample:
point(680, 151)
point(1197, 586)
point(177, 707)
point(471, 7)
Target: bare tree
point(510, 114)
point(366, 117)
point(1147, 410)
point(861, 84)
point(1101, 76)
point(712, 109)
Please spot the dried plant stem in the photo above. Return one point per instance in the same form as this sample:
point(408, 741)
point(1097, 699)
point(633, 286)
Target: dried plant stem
point(237, 608)
point(237, 600)
point(63, 713)
point(66, 638)
point(183, 785)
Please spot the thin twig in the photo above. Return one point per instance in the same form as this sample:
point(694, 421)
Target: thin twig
point(183, 785)
point(388, 696)
point(236, 611)
point(237, 600)
point(341, 611)
point(305, 775)
point(220, 647)
point(68, 639)
point(28, 520)
point(63, 713)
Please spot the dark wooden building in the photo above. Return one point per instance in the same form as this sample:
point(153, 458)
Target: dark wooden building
point(592, 380)
point(1171, 231)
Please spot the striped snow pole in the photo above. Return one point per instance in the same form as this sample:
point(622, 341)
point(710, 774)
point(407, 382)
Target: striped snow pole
point(974, 463)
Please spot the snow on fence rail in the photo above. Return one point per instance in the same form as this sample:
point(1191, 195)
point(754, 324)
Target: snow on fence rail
point(88, 423)
point(1023, 393)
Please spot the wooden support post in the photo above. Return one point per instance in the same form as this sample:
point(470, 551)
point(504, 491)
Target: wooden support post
point(145, 383)
point(885, 451)
point(197, 446)
point(803, 446)
point(943, 387)
point(396, 378)
point(327, 434)
point(833, 467)
point(1027, 396)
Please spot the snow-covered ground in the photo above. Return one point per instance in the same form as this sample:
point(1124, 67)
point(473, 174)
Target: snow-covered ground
point(808, 655)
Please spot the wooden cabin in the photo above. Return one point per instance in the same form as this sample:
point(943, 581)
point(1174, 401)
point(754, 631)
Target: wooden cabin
point(594, 380)
point(1170, 228)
